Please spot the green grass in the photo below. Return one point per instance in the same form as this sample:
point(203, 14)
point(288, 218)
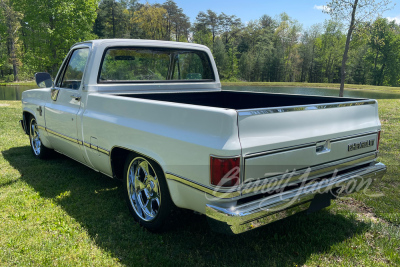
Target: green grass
point(61, 213)
point(21, 83)
point(386, 89)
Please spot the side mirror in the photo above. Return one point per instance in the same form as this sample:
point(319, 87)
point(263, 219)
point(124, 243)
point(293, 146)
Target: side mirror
point(43, 79)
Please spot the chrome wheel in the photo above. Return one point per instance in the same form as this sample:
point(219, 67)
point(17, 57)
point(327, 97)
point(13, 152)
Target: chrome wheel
point(143, 189)
point(35, 138)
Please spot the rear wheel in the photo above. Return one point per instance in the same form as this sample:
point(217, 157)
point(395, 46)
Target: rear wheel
point(38, 149)
point(146, 193)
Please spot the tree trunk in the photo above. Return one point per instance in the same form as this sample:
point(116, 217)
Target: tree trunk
point(11, 22)
point(14, 60)
point(346, 49)
point(113, 18)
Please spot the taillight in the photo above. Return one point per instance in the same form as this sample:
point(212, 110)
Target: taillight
point(379, 138)
point(225, 171)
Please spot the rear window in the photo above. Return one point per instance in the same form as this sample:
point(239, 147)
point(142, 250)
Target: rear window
point(132, 64)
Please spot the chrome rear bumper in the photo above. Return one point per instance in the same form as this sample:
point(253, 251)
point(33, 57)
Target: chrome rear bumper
point(241, 218)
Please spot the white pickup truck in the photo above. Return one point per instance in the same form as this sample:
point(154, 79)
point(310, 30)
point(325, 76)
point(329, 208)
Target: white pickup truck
point(153, 114)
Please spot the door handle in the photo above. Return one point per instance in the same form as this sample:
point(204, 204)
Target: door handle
point(76, 97)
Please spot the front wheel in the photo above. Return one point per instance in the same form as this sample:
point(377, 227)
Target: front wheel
point(146, 193)
point(38, 149)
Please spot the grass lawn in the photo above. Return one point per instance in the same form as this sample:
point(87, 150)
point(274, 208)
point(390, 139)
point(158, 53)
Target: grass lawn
point(59, 212)
point(21, 83)
point(386, 89)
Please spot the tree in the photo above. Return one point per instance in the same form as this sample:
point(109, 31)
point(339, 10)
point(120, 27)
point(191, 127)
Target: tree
point(384, 52)
point(112, 19)
point(220, 57)
point(12, 22)
point(178, 23)
point(51, 27)
point(287, 35)
point(332, 45)
point(210, 20)
point(153, 20)
point(230, 26)
point(309, 51)
point(355, 12)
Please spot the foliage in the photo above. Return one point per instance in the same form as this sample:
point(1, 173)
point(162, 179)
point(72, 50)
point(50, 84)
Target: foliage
point(153, 21)
point(264, 50)
point(355, 12)
point(50, 28)
point(11, 25)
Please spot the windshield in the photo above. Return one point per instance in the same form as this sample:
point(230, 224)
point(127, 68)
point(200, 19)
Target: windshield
point(132, 64)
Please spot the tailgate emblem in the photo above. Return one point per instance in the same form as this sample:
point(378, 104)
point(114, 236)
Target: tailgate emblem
point(360, 145)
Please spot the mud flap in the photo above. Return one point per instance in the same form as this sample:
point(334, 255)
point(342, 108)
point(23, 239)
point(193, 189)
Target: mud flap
point(319, 202)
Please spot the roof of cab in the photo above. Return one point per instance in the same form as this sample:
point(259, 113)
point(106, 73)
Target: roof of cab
point(141, 42)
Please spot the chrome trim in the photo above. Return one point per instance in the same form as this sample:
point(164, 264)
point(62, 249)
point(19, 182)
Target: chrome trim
point(76, 97)
point(354, 136)
point(279, 181)
point(283, 149)
point(241, 218)
point(272, 151)
point(262, 111)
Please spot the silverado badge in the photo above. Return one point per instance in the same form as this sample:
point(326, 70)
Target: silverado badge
point(360, 145)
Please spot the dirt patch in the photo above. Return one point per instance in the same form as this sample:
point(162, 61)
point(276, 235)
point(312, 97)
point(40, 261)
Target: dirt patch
point(4, 105)
point(363, 212)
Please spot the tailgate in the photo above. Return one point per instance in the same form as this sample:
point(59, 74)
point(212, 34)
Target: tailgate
point(277, 140)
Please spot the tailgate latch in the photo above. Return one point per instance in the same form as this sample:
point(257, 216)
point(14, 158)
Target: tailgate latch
point(323, 147)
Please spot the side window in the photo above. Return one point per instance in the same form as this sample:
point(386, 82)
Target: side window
point(73, 72)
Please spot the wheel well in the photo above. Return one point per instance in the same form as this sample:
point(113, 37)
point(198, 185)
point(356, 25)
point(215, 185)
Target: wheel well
point(118, 157)
point(26, 117)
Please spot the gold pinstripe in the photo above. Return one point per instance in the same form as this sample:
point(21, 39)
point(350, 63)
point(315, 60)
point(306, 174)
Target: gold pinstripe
point(76, 141)
point(218, 194)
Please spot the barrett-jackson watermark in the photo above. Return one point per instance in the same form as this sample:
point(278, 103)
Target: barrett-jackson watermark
point(338, 186)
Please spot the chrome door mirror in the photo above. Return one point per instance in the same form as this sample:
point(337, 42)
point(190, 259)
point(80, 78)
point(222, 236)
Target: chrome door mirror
point(43, 80)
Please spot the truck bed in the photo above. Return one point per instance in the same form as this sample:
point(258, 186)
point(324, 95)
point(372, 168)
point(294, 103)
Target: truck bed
point(241, 100)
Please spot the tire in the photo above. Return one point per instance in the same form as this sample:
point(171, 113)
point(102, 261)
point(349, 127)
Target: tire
point(37, 147)
point(146, 193)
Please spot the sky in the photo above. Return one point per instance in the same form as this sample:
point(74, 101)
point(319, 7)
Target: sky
point(307, 12)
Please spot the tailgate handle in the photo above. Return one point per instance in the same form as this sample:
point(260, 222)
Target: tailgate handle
point(323, 147)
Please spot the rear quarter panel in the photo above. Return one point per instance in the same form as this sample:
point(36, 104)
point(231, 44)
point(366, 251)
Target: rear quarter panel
point(179, 137)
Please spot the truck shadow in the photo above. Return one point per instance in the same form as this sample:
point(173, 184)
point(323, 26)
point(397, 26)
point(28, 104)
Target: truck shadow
point(96, 203)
